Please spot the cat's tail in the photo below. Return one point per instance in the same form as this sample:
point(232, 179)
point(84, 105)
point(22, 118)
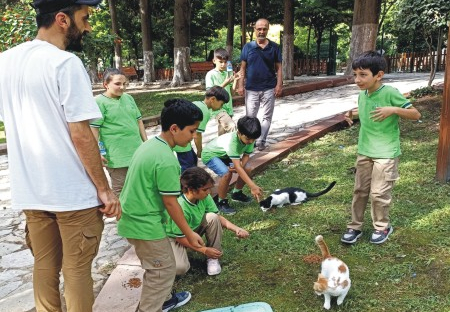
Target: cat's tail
point(323, 247)
point(321, 192)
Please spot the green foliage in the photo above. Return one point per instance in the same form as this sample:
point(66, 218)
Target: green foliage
point(409, 272)
point(424, 91)
point(17, 24)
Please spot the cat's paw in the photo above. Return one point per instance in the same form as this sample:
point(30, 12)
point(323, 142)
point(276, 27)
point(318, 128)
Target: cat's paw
point(327, 306)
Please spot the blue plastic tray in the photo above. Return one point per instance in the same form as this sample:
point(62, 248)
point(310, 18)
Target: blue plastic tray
point(248, 307)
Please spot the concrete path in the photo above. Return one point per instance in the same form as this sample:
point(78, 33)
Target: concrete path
point(292, 114)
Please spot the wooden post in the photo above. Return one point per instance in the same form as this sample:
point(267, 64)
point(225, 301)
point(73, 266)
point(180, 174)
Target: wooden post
point(443, 156)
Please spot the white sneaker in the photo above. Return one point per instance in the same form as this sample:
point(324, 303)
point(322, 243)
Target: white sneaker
point(213, 266)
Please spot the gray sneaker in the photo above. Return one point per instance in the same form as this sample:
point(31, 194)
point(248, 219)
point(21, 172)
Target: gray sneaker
point(225, 208)
point(379, 237)
point(351, 236)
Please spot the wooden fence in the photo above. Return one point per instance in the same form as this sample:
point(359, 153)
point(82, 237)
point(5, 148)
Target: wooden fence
point(401, 62)
point(415, 61)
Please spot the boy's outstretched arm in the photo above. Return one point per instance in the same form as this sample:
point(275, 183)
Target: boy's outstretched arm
point(350, 115)
point(381, 113)
point(209, 252)
point(176, 213)
point(238, 167)
point(241, 233)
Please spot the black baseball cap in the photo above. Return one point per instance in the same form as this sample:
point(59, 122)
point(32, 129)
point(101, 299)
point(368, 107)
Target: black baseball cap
point(49, 6)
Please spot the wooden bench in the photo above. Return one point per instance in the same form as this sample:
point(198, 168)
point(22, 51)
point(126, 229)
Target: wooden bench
point(130, 72)
point(199, 69)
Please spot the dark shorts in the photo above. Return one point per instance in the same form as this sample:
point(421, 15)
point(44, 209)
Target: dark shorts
point(187, 159)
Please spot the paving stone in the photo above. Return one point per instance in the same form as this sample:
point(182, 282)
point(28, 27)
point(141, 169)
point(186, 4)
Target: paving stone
point(18, 259)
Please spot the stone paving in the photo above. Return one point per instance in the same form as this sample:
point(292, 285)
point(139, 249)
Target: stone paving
point(292, 114)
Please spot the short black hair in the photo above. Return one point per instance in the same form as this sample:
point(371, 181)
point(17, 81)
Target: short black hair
point(180, 112)
point(370, 60)
point(221, 54)
point(47, 19)
point(194, 178)
point(250, 127)
point(109, 72)
point(219, 93)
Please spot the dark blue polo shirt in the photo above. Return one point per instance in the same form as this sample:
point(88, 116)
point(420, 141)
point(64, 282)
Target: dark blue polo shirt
point(261, 76)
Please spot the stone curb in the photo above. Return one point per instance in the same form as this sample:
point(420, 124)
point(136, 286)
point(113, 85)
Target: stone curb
point(122, 290)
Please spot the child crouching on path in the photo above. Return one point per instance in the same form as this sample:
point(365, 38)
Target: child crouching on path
point(202, 216)
point(223, 156)
point(379, 107)
point(120, 130)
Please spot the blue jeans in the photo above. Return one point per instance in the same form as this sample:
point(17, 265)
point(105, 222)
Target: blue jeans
point(219, 166)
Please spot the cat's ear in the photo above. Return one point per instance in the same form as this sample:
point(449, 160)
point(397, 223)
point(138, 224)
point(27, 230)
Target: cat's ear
point(321, 276)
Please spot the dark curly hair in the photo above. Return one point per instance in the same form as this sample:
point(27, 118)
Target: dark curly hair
point(194, 178)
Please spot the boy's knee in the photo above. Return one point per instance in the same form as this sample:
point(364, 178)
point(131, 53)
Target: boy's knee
point(182, 268)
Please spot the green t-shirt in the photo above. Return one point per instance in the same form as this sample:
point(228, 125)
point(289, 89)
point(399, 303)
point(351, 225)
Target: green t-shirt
point(224, 146)
point(154, 172)
point(118, 128)
point(215, 78)
point(380, 139)
point(201, 127)
point(193, 213)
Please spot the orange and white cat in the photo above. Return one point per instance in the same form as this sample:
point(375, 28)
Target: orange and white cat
point(334, 279)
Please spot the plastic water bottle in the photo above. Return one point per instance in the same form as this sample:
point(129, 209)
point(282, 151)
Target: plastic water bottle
point(229, 69)
point(102, 148)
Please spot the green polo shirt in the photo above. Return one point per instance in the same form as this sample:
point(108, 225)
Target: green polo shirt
point(224, 146)
point(193, 213)
point(201, 127)
point(216, 77)
point(118, 128)
point(380, 139)
point(154, 172)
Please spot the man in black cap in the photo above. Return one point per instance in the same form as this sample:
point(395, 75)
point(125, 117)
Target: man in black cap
point(56, 174)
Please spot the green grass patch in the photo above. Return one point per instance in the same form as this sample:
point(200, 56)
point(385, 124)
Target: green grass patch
point(410, 272)
point(151, 103)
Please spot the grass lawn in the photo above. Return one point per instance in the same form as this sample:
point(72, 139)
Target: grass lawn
point(410, 272)
point(151, 103)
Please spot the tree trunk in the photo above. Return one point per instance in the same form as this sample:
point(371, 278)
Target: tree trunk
point(288, 40)
point(117, 39)
point(92, 71)
point(308, 63)
point(366, 14)
point(181, 68)
point(230, 28)
point(147, 43)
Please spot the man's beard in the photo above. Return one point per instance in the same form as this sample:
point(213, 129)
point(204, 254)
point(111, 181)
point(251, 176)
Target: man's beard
point(74, 38)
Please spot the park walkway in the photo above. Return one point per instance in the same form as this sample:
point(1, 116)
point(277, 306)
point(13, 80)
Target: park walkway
point(294, 115)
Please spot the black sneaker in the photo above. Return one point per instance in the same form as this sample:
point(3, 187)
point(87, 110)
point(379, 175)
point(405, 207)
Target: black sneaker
point(351, 236)
point(379, 237)
point(177, 300)
point(240, 197)
point(224, 208)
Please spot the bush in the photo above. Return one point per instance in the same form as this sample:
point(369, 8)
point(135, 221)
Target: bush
point(425, 91)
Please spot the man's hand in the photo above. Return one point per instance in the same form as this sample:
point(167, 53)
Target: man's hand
point(278, 90)
point(111, 203)
point(240, 91)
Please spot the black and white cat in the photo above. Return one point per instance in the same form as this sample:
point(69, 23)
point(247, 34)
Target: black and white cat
point(291, 196)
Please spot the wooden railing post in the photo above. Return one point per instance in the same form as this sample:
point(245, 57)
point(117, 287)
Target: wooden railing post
point(443, 156)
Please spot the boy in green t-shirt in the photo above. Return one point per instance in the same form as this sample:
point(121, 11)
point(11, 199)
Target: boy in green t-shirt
point(220, 76)
point(200, 212)
point(379, 108)
point(223, 156)
point(214, 100)
point(150, 192)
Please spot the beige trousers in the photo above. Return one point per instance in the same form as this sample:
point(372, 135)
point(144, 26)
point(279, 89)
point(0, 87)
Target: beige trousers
point(118, 176)
point(225, 123)
point(66, 241)
point(213, 231)
point(375, 177)
point(158, 261)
